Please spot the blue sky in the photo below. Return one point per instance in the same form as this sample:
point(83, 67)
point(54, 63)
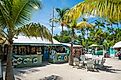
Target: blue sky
point(42, 16)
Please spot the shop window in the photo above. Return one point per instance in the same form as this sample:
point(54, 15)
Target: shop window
point(38, 50)
point(15, 50)
point(60, 49)
point(27, 49)
point(22, 50)
point(33, 50)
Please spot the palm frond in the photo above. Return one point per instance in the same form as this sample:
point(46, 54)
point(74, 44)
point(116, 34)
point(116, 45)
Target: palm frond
point(3, 35)
point(22, 9)
point(108, 9)
point(74, 13)
point(4, 14)
point(54, 20)
point(84, 24)
point(58, 10)
point(35, 30)
point(61, 13)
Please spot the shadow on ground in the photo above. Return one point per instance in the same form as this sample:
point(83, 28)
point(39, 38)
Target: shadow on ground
point(104, 68)
point(110, 69)
point(52, 77)
point(27, 70)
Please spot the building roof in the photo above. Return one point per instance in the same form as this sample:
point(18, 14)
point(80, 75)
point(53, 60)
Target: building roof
point(69, 45)
point(33, 40)
point(117, 45)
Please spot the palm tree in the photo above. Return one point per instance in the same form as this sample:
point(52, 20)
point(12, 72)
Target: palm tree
point(61, 13)
point(72, 24)
point(14, 16)
point(82, 36)
point(108, 9)
point(99, 24)
point(66, 36)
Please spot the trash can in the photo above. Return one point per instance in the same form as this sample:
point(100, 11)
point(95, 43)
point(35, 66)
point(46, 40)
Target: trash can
point(1, 72)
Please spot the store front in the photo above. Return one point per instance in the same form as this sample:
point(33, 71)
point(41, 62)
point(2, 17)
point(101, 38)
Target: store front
point(27, 55)
point(34, 51)
point(77, 49)
point(58, 53)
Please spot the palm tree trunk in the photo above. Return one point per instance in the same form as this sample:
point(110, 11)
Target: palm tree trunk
point(87, 40)
point(62, 32)
point(62, 27)
point(9, 69)
point(71, 54)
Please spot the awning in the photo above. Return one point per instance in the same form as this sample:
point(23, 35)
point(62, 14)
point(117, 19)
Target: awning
point(117, 45)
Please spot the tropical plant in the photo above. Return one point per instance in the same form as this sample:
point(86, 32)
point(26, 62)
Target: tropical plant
point(108, 9)
point(72, 24)
point(14, 16)
point(99, 24)
point(66, 36)
point(61, 13)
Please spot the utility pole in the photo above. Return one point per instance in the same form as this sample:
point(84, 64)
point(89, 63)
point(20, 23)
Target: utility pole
point(52, 23)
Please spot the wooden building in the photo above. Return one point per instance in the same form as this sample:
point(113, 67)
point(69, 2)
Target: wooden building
point(31, 51)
